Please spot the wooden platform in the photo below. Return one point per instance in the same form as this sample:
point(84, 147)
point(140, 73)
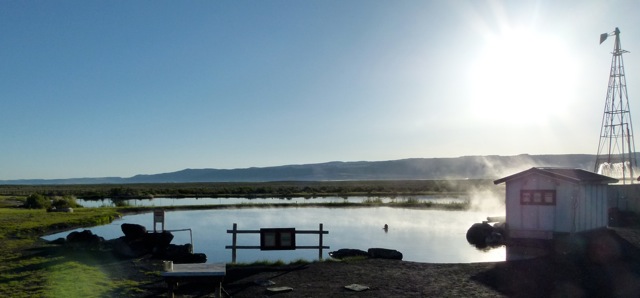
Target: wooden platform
point(202, 272)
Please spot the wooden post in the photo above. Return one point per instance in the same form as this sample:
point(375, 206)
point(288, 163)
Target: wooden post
point(234, 242)
point(320, 246)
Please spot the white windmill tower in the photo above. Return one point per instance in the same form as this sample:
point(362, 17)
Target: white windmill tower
point(616, 150)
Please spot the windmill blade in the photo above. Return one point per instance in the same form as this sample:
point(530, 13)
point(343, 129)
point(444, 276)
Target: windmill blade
point(603, 37)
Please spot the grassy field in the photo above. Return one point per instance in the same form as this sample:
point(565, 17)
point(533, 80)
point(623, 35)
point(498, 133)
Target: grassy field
point(30, 268)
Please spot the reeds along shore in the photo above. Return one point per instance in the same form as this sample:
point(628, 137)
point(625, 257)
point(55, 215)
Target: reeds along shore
point(255, 189)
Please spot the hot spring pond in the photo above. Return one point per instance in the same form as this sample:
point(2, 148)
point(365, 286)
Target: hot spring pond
point(421, 235)
point(191, 201)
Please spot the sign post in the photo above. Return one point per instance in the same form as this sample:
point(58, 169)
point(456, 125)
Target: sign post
point(278, 239)
point(158, 217)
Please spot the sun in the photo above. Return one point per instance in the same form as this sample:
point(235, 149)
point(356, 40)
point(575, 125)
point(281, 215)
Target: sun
point(521, 76)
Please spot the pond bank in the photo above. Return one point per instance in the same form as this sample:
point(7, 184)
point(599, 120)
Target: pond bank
point(597, 271)
point(609, 265)
point(591, 273)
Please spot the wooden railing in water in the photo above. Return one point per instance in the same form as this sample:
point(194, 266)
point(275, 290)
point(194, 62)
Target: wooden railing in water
point(275, 239)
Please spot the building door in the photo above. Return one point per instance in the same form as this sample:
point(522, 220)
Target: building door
point(538, 210)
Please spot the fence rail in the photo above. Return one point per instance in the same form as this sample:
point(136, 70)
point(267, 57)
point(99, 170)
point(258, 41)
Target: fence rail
point(184, 230)
point(234, 236)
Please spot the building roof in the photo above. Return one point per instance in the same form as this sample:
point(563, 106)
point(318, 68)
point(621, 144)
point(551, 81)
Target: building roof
point(566, 174)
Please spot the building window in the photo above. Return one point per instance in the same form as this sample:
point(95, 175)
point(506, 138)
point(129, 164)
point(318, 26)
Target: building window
point(538, 197)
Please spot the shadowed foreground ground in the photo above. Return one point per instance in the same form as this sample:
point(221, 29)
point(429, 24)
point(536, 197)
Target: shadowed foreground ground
point(603, 264)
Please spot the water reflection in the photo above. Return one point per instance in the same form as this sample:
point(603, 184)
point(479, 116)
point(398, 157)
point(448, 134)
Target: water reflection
point(163, 202)
point(433, 236)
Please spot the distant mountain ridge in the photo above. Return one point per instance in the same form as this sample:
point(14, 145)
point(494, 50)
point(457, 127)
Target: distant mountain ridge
point(465, 167)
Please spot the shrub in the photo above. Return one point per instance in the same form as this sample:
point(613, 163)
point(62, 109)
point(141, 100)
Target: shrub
point(37, 201)
point(65, 202)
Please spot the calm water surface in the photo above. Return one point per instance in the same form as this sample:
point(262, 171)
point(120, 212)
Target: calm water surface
point(163, 202)
point(432, 236)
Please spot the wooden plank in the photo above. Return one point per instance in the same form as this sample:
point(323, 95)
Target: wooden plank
point(311, 232)
point(258, 247)
point(201, 269)
point(213, 273)
point(242, 247)
point(243, 232)
point(258, 232)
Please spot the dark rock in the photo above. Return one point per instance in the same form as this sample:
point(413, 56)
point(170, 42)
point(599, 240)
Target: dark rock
point(133, 231)
point(84, 240)
point(348, 252)
point(478, 233)
point(59, 241)
point(158, 241)
point(383, 253)
point(180, 254)
point(190, 258)
point(121, 247)
point(172, 250)
point(500, 227)
point(494, 239)
point(497, 235)
point(147, 243)
point(180, 249)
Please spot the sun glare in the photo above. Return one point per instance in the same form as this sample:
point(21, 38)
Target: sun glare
point(521, 77)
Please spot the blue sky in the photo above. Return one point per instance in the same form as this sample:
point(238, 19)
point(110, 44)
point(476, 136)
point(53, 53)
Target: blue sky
point(118, 88)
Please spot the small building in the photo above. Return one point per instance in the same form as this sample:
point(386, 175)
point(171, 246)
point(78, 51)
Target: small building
point(543, 201)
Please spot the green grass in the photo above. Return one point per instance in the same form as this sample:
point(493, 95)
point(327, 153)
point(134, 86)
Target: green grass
point(373, 201)
point(21, 223)
point(10, 201)
point(49, 271)
point(74, 279)
point(30, 268)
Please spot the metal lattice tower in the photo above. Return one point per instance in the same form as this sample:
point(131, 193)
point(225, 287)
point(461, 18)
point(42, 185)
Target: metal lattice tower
point(616, 149)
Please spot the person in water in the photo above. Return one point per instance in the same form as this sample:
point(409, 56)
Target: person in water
point(386, 227)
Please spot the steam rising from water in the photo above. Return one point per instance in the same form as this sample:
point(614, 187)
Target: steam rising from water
point(617, 170)
point(498, 167)
point(488, 201)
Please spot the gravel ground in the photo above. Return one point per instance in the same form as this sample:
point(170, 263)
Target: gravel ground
point(601, 264)
point(384, 278)
point(604, 263)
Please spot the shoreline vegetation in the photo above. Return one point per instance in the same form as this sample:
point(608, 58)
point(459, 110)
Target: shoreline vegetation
point(30, 267)
point(283, 189)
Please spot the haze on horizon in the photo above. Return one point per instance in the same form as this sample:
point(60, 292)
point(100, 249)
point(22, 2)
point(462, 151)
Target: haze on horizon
point(101, 89)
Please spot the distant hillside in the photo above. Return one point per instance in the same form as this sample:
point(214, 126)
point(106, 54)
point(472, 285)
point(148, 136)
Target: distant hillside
point(471, 167)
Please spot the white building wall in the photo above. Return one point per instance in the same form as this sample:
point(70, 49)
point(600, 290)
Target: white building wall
point(601, 207)
point(594, 208)
point(513, 216)
point(584, 209)
point(529, 220)
point(604, 205)
point(590, 215)
point(564, 193)
point(579, 207)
